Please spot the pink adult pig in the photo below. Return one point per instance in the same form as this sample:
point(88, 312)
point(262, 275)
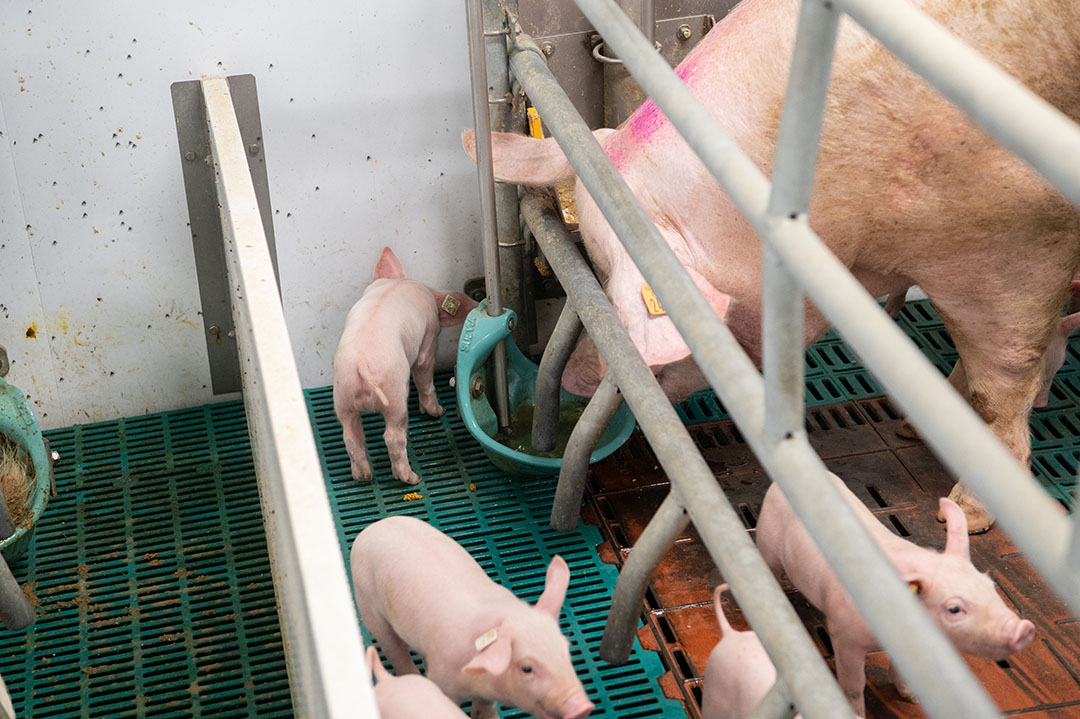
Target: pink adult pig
point(409, 697)
point(907, 191)
point(391, 331)
point(739, 672)
point(416, 587)
point(962, 600)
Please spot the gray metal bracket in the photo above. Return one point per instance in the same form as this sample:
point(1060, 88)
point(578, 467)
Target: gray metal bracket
point(205, 218)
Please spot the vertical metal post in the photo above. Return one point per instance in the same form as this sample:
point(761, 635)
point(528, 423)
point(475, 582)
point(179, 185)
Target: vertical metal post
point(793, 178)
point(486, 177)
point(506, 117)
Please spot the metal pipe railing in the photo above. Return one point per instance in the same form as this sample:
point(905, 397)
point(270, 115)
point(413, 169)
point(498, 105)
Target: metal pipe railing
point(486, 178)
point(694, 489)
point(792, 179)
point(776, 704)
point(546, 401)
point(324, 650)
point(574, 468)
point(958, 436)
point(896, 617)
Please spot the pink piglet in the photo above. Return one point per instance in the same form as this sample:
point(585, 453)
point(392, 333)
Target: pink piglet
point(390, 333)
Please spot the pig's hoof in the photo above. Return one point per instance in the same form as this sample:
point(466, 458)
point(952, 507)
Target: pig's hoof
point(362, 473)
point(905, 430)
point(979, 517)
point(436, 411)
point(408, 477)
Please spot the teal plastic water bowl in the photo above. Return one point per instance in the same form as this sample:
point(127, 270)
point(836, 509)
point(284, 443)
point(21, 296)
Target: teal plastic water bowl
point(479, 337)
point(18, 423)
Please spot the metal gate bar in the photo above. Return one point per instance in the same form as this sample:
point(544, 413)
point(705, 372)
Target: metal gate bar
point(895, 615)
point(959, 437)
point(323, 645)
point(694, 491)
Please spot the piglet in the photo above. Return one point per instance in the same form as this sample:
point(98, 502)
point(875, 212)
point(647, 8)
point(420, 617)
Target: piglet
point(962, 600)
point(739, 672)
point(415, 587)
point(391, 331)
point(409, 697)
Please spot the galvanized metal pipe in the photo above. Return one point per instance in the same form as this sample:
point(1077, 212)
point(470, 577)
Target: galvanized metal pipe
point(16, 612)
point(1020, 120)
point(670, 520)
point(893, 613)
point(566, 507)
point(507, 117)
point(694, 485)
point(792, 179)
point(948, 424)
point(546, 402)
point(776, 704)
point(486, 178)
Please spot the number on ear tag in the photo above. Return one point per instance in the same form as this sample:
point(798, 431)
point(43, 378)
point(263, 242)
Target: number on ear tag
point(652, 302)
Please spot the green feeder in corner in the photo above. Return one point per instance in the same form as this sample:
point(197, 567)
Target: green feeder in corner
point(479, 336)
point(19, 425)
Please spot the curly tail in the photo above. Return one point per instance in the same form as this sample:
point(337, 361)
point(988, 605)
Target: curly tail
point(374, 388)
point(725, 625)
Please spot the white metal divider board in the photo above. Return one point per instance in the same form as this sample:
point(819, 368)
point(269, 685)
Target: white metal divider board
point(324, 650)
point(953, 430)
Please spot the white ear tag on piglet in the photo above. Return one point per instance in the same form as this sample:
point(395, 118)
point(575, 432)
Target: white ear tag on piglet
point(652, 302)
point(450, 305)
point(485, 640)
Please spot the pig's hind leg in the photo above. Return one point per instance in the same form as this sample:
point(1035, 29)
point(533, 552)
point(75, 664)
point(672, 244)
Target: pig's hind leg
point(423, 374)
point(1001, 338)
point(353, 434)
point(396, 436)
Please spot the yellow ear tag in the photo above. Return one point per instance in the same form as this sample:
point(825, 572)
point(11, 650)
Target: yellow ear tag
point(535, 128)
point(652, 302)
point(914, 587)
point(485, 639)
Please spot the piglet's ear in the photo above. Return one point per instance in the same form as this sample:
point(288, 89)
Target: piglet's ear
point(494, 658)
point(389, 267)
point(558, 579)
point(454, 307)
point(956, 532)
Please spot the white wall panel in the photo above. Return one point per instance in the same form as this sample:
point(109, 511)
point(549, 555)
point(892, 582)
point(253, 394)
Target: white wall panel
point(362, 107)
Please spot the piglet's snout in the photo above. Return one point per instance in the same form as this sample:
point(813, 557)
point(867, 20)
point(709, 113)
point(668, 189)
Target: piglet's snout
point(1022, 635)
point(577, 707)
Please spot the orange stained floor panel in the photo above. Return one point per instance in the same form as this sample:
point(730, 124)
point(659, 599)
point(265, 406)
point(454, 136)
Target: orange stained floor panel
point(900, 481)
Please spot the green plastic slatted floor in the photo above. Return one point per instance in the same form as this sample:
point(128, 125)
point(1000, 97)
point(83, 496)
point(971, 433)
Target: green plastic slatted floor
point(154, 587)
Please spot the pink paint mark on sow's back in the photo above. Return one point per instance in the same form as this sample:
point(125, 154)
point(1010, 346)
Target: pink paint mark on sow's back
point(648, 118)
